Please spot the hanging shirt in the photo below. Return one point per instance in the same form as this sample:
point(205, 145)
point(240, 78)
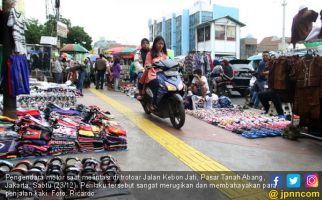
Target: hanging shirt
point(18, 80)
point(17, 22)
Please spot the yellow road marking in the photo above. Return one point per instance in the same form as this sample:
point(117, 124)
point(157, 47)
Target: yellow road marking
point(193, 158)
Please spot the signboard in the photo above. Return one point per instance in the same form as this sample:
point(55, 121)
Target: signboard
point(48, 40)
point(62, 30)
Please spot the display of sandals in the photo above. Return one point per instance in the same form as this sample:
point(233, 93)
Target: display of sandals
point(59, 178)
point(248, 124)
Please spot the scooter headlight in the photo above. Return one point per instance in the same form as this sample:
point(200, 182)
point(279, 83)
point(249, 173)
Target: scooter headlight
point(180, 86)
point(171, 87)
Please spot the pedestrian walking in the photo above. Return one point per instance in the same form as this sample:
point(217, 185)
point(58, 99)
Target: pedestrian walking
point(116, 70)
point(57, 71)
point(100, 67)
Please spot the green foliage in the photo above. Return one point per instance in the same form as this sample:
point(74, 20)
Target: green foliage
point(76, 34)
point(34, 31)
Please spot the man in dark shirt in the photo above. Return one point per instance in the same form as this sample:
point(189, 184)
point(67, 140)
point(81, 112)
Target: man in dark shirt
point(100, 67)
point(261, 80)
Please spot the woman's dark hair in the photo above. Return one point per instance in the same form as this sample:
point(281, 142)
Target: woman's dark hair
point(144, 40)
point(197, 71)
point(116, 60)
point(154, 50)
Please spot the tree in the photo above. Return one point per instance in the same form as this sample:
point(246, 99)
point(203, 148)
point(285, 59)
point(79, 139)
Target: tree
point(34, 32)
point(50, 25)
point(76, 34)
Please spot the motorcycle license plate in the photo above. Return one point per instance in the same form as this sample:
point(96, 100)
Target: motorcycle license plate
point(171, 73)
point(229, 86)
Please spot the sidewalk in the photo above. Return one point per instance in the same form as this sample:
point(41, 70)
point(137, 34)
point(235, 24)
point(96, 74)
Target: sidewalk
point(233, 151)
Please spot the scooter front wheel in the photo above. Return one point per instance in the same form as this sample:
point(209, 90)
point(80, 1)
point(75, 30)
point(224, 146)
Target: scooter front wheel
point(145, 108)
point(177, 114)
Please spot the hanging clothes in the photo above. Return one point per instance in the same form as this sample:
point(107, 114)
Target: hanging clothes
point(18, 24)
point(308, 87)
point(18, 75)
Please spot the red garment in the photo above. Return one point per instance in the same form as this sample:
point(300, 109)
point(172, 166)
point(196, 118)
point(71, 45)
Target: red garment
point(28, 112)
point(151, 73)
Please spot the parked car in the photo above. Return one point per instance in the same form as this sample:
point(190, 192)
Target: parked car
point(243, 71)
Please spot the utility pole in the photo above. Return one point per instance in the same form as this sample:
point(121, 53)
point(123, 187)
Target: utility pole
point(283, 33)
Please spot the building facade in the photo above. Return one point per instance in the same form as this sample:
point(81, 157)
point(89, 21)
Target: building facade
point(272, 43)
point(179, 30)
point(220, 37)
point(248, 47)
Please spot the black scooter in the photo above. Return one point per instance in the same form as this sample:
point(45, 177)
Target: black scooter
point(169, 96)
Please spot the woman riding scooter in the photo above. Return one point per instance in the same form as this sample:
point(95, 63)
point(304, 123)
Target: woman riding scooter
point(157, 53)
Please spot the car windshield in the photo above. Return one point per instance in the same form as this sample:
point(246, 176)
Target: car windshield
point(242, 66)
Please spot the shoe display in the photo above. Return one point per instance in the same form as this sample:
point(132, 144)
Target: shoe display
point(245, 123)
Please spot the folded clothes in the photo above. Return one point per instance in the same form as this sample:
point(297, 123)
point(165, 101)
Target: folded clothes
point(35, 134)
point(85, 139)
point(6, 127)
point(43, 148)
point(35, 142)
point(116, 130)
point(7, 146)
point(66, 132)
point(32, 150)
point(9, 135)
point(6, 119)
point(34, 113)
point(66, 112)
point(60, 142)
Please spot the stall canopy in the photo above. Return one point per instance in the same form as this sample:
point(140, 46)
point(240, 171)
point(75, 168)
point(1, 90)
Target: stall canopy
point(124, 52)
point(74, 48)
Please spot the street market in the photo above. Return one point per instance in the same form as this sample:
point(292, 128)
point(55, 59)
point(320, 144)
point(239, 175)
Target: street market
point(191, 110)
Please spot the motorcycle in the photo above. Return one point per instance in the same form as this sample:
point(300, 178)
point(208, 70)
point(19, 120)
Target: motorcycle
point(221, 84)
point(169, 102)
point(224, 88)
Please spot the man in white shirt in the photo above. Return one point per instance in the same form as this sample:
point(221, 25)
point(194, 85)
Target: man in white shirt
point(57, 71)
point(199, 83)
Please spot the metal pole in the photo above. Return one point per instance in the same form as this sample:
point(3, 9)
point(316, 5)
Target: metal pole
point(283, 33)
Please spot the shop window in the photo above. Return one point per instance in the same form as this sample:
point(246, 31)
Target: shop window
point(207, 33)
point(220, 32)
point(231, 33)
point(201, 34)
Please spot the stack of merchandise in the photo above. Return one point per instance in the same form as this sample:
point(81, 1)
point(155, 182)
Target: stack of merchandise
point(42, 92)
point(35, 136)
point(33, 113)
point(113, 134)
point(248, 124)
point(63, 137)
point(61, 131)
point(129, 89)
point(8, 138)
point(90, 138)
